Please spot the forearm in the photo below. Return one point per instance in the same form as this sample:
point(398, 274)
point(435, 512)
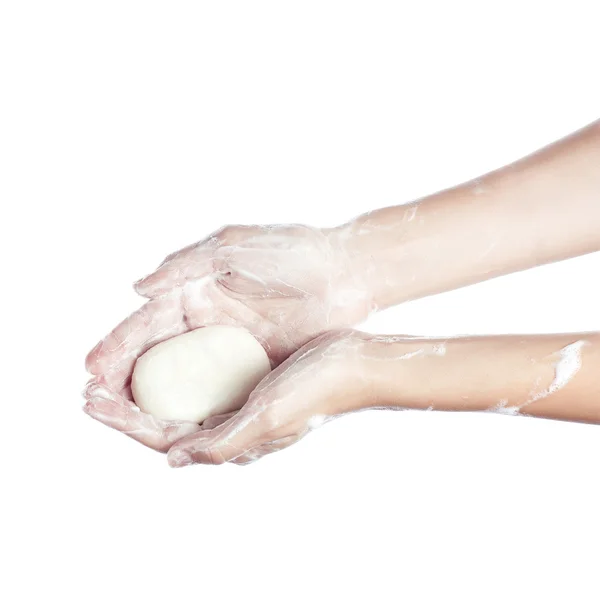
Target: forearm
point(553, 376)
point(346, 370)
point(541, 209)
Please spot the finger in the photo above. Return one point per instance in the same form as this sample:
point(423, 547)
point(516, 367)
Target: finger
point(97, 387)
point(216, 420)
point(156, 321)
point(206, 447)
point(267, 448)
point(189, 263)
point(223, 443)
point(117, 412)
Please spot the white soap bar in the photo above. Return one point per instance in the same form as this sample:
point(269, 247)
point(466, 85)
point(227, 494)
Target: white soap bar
point(205, 372)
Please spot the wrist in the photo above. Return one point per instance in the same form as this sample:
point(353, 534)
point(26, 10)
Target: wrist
point(354, 379)
point(354, 290)
point(374, 371)
point(404, 372)
point(381, 247)
point(398, 371)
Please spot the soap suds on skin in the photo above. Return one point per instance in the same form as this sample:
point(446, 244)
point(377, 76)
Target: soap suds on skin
point(411, 354)
point(504, 409)
point(412, 213)
point(567, 366)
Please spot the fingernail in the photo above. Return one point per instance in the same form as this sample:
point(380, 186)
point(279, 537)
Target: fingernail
point(144, 287)
point(95, 406)
point(178, 457)
point(94, 390)
point(91, 404)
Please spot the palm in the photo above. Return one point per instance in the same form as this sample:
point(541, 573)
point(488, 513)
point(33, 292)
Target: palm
point(286, 285)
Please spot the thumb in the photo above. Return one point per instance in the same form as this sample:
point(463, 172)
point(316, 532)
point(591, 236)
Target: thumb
point(224, 443)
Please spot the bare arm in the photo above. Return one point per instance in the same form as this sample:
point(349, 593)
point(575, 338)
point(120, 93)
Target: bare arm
point(289, 284)
point(552, 376)
point(541, 209)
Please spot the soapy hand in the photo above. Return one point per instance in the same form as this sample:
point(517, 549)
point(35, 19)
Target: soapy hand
point(286, 284)
point(324, 379)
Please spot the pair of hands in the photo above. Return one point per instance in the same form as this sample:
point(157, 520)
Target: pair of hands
point(295, 288)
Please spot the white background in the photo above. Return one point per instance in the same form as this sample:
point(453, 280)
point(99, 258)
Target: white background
point(129, 129)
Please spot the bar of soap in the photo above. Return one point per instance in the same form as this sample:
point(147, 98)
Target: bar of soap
point(205, 372)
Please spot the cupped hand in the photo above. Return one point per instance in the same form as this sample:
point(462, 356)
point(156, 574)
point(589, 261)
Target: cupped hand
point(286, 284)
point(325, 378)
